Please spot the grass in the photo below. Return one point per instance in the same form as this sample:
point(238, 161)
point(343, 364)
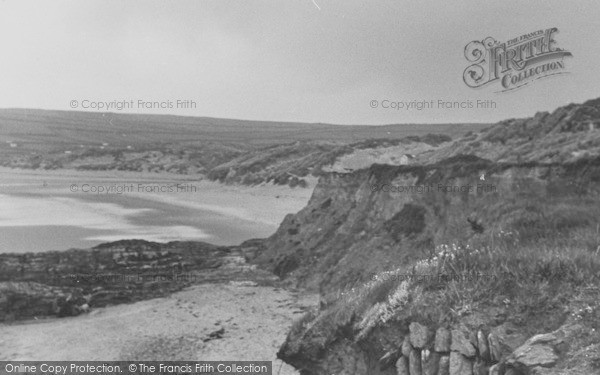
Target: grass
point(537, 262)
point(535, 284)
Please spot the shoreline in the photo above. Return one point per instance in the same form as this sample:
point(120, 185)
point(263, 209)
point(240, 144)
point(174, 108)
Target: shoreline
point(254, 320)
point(224, 316)
point(230, 310)
point(209, 213)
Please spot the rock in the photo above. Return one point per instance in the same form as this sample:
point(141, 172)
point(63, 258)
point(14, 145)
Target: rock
point(503, 340)
point(534, 355)
point(442, 340)
point(61, 282)
point(479, 368)
point(462, 344)
point(64, 307)
point(497, 369)
point(444, 367)
point(419, 335)
point(26, 300)
point(473, 339)
point(430, 362)
point(460, 365)
point(388, 359)
point(482, 345)
point(495, 347)
point(414, 362)
point(406, 347)
point(85, 308)
point(218, 334)
point(543, 371)
point(543, 350)
point(402, 366)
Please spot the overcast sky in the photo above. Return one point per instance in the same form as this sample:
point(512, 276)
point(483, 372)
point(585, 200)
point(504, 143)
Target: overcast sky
point(296, 60)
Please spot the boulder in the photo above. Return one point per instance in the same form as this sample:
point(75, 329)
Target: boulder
point(503, 340)
point(534, 355)
point(414, 362)
point(480, 368)
point(406, 347)
point(544, 350)
point(402, 366)
point(430, 362)
point(85, 308)
point(444, 366)
point(419, 335)
point(442, 340)
point(460, 365)
point(496, 369)
point(462, 344)
point(482, 345)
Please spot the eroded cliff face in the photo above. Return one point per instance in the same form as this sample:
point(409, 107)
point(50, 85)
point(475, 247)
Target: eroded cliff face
point(358, 224)
point(385, 217)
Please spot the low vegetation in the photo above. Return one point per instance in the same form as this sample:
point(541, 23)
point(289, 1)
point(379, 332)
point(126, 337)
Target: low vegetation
point(533, 278)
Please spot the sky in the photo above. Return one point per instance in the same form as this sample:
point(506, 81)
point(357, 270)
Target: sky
point(330, 61)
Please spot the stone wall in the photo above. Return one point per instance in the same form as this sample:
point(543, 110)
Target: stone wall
point(502, 350)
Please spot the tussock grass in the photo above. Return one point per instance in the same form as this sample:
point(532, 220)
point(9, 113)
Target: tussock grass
point(534, 284)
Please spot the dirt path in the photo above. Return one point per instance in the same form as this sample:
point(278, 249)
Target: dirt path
point(255, 321)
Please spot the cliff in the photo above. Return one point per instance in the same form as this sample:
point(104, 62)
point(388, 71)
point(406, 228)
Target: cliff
point(356, 225)
point(492, 238)
point(520, 250)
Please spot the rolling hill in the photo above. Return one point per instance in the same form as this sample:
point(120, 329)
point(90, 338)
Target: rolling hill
point(231, 151)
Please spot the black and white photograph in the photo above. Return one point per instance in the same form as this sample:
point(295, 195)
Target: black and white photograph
point(299, 187)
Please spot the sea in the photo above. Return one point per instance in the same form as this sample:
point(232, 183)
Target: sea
point(42, 213)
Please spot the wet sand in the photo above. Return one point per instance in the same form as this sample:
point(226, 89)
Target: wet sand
point(206, 211)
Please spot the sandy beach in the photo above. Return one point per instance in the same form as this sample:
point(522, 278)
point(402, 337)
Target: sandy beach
point(251, 321)
point(87, 208)
point(255, 320)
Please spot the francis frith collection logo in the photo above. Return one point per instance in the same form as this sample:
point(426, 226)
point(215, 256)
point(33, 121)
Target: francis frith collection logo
point(516, 62)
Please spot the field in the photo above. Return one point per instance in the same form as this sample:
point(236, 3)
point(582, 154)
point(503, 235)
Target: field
point(39, 130)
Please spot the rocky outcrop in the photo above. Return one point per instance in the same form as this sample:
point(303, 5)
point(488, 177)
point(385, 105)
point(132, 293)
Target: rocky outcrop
point(30, 299)
point(541, 353)
point(70, 282)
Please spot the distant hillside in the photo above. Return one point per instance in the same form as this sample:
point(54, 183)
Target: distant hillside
point(567, 134)
point(231, 151)
point(44, 129)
